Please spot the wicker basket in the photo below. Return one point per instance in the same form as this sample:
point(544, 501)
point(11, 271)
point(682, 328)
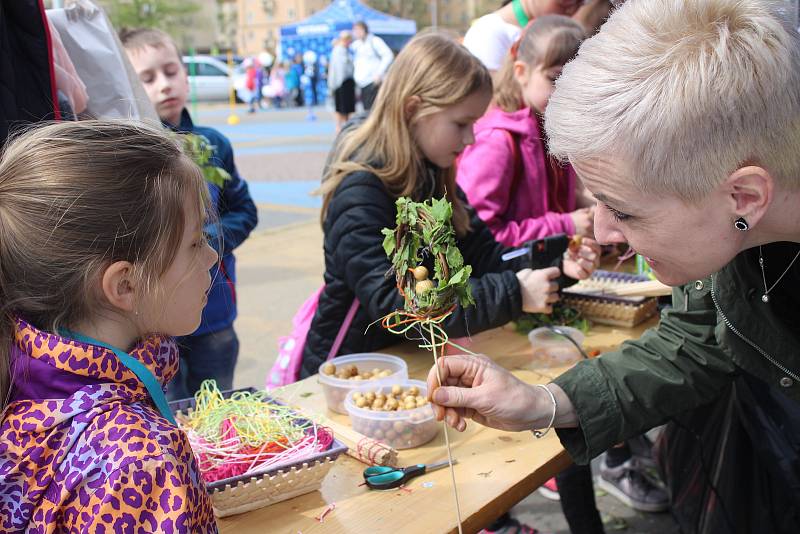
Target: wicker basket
point(588, 298)
point(246, 493)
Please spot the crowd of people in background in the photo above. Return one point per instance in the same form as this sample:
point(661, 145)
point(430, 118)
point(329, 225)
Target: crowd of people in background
point(353, 73)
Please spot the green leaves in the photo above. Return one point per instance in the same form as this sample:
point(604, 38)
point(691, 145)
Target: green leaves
point(389, 242)
point(562, 315)
point(425, 234)
point(201, 151)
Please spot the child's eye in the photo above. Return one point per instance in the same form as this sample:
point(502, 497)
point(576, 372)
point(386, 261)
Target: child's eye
point(618, 215)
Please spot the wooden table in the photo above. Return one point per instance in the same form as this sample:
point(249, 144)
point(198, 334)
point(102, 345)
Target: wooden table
point(495, 469)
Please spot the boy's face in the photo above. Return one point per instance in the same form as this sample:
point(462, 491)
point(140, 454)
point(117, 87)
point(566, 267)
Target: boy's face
point(164, 78)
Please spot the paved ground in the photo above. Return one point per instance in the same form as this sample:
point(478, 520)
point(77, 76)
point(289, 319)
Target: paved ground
point(281, 154)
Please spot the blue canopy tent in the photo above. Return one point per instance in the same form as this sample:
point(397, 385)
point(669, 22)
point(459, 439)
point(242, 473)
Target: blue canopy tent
point(318, 31)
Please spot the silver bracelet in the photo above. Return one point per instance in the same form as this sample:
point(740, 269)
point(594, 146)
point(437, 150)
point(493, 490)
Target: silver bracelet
point(543, 433)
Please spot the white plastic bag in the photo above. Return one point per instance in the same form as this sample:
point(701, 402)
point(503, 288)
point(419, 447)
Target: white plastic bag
point(94, 48)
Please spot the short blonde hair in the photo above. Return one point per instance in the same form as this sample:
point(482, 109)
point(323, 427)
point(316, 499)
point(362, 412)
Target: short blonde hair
point(686, 91)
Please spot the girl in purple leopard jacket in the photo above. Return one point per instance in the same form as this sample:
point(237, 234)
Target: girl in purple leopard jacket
point(102, 259)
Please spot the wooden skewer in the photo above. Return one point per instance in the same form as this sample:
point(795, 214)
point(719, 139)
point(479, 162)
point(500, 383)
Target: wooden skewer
point(446, 436)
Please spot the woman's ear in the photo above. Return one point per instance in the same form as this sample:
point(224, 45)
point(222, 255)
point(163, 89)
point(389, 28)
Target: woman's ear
point(411, 107)
point(750, 190)
point(118, 286)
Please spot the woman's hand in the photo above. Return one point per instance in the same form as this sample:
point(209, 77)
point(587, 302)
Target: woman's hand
point(475, 387)
point(583, 219)
point(581, 263)
point(539, 289)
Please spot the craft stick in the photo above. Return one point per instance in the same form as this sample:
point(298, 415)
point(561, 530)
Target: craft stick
point(650, 288)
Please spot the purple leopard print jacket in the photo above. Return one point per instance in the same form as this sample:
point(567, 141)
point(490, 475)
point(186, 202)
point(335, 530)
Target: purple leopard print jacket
point(83, 449)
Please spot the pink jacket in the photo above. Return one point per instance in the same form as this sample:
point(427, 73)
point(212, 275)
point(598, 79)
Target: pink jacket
point(509, 188)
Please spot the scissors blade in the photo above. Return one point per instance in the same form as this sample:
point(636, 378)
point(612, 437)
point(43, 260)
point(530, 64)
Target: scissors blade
point(438, 465)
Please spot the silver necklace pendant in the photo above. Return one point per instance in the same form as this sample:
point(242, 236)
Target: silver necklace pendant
point(764, 298)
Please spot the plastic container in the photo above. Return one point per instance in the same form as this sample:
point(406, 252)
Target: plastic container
point(553, 350)
point(403, 429)
point(336, 389)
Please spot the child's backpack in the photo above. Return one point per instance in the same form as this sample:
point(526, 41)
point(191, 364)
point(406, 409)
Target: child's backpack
point(286, 369)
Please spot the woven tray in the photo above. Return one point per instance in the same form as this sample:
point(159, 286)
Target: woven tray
point(587, 296)
point(281, 482)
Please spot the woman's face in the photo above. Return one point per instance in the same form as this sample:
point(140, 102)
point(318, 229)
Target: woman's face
point(681, 242)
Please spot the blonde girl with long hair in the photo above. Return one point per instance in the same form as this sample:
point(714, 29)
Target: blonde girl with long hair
point(422, 120)
point(102, 259)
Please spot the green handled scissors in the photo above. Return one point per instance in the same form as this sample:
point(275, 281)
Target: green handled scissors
point(385, 478)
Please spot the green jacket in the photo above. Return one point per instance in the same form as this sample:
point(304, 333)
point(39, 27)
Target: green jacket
point(717, 328)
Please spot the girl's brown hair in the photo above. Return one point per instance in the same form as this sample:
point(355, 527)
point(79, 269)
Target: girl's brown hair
point(76, 197)
point(549, 41)
point(441, 73)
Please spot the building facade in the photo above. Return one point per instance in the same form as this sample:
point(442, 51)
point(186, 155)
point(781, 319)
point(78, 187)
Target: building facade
point(260, 21)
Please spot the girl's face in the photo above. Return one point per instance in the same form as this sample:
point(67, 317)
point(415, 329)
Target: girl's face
point(537, 84)
point(442, 135)
point(177, 307)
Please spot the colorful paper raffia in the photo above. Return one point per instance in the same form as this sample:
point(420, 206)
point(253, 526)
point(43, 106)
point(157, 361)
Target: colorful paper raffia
point(247, 433)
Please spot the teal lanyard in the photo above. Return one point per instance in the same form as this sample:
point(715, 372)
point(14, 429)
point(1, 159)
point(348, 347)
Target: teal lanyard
point(519, 12)
point(137, 368)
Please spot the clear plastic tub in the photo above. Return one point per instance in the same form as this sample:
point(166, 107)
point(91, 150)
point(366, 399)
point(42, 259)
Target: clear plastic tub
point(336, 389)
point(403, 429)
point(553, 350)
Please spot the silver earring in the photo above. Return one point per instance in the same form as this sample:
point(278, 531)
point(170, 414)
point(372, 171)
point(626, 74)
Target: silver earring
point(741, 224)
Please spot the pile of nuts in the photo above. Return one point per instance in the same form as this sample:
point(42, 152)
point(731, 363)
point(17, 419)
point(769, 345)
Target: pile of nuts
point(401, 418)
point(394, 400)
point(350, 372)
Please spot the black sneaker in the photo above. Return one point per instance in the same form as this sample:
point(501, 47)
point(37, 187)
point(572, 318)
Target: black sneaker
point(633, 485)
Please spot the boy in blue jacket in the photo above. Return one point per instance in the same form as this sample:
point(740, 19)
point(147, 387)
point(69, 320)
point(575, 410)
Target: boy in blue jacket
point(212, 350)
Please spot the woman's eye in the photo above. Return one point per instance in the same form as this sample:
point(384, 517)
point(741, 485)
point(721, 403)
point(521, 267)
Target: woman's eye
point(618, 215)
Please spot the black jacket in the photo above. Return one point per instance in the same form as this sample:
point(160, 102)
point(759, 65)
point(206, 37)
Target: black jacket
point(27, 91)
point(356, 266)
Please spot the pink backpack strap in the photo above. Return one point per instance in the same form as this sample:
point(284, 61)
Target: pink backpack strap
point(348, 320)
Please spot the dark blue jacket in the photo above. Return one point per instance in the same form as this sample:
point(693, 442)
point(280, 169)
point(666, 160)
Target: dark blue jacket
point(237, 217)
